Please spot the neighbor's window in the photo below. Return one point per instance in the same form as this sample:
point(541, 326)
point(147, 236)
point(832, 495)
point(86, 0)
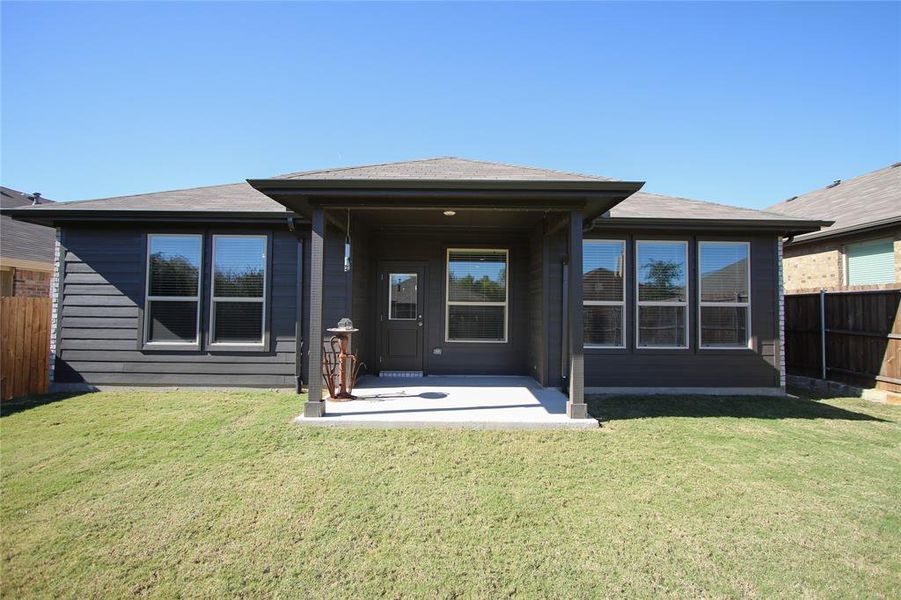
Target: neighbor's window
point(662, 286)
point(871, 262)
point(603, 278)
point(725, 283)
point(172, 303)
point(476, 296)
point(239, 289)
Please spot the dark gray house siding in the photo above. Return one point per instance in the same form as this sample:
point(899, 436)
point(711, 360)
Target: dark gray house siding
point(100, 322)
point(757, 366)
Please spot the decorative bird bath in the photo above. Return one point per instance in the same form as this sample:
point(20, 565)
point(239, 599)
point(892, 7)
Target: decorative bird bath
point(339, 363)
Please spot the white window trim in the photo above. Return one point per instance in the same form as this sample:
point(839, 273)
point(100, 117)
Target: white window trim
point(746, 305)
point(448, 303)
point(148, 298)
point(213, 299)
point(621, 303)
point(639, 303)
point(390, 296)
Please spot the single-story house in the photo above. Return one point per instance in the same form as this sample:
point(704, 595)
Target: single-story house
point(446, 266)
point(861, 249)
point(26, 250)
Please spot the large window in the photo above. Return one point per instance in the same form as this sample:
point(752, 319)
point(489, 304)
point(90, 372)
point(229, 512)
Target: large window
point(172, 303)
point(725, 283)
point(662, 292)
point(870, 262)
point(476, 296)
point(238, 305)
point(603, 277)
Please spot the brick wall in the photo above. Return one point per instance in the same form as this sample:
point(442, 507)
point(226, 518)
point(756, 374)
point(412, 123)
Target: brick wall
point(31, 283)
point(821, 265)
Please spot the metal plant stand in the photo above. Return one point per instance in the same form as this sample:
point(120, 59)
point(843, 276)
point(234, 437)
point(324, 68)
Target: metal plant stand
point(338, 362)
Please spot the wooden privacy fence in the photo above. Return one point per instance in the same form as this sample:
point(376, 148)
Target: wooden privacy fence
point(853, 337)
point(24, 346)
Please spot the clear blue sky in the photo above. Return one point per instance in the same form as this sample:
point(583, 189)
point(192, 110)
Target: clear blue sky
point(734, 102)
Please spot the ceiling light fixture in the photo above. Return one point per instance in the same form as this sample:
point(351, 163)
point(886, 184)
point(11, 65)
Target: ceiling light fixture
point(449, 213)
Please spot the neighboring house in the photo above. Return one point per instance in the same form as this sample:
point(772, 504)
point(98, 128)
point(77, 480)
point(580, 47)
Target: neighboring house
point(454, 266)
point(26, 250)
point(863, 245)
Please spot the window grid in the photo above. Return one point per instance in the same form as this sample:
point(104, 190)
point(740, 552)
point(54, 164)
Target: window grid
point(639, 303)
point(448, 302)
point(148, 298)
point(746, 305)
point(214, 299)
point(621, 303)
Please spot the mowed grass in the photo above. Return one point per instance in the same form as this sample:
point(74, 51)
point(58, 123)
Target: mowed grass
point(218, 494)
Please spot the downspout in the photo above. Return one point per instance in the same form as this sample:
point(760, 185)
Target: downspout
point(298, 325)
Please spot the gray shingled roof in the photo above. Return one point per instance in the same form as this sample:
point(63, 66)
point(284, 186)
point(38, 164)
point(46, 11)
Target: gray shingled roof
point(242, 198)
point(24, 241)
point(644, 205)
point(444, 168)
point(853, 204)
point(232, 197)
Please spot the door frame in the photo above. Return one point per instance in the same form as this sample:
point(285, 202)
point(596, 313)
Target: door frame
point(384, 267)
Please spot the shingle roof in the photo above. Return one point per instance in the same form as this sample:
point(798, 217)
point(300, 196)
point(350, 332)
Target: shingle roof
point(24, 241)
point(644, 205)
point(444, 168)
point(232, 197)
point(868, 199)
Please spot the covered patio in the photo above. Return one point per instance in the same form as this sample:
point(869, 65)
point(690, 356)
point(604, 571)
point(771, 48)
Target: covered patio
point(476, 402)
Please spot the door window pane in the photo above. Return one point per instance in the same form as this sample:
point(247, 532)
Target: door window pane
point(402, 296)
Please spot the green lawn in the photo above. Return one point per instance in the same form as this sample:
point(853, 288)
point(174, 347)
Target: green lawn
point(219, 494)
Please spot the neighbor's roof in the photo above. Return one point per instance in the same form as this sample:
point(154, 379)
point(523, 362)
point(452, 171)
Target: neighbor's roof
point(865, 202)
point(23, 243)
point(445, 168)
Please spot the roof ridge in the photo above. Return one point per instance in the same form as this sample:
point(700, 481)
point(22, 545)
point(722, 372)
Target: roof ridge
point(382, 164)
point(531, 168)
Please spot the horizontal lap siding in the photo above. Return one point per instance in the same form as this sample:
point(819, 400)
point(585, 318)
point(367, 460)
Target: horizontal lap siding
point(102, 299)
point(757, 367)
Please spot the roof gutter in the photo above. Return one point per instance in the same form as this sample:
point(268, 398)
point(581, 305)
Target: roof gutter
point(817, 236)
point(782, 226)
point(53, 216)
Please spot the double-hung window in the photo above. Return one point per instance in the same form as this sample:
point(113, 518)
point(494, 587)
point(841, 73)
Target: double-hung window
point(661, 282)
point(476, 296)
point(172, 302)
point(603, 289)
point(725, 283)
point(238, 299)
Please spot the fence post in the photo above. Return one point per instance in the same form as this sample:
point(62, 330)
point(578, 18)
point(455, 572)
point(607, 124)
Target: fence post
point(823, 334)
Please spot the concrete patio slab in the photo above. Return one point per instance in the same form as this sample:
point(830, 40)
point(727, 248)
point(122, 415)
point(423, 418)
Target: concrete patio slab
point(476, 402)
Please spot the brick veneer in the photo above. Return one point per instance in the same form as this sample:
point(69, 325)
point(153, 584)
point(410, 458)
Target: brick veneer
point(31, 283)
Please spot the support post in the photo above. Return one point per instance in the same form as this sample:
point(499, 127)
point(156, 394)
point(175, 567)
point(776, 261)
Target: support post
point(315, 406)
point(575, 406)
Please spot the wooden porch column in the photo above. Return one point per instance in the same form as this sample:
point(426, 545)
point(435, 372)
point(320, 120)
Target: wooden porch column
point(575, 406)
point(315, 406)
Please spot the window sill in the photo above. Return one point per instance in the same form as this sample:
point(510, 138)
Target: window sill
point(237, 348)
point(161, 347)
